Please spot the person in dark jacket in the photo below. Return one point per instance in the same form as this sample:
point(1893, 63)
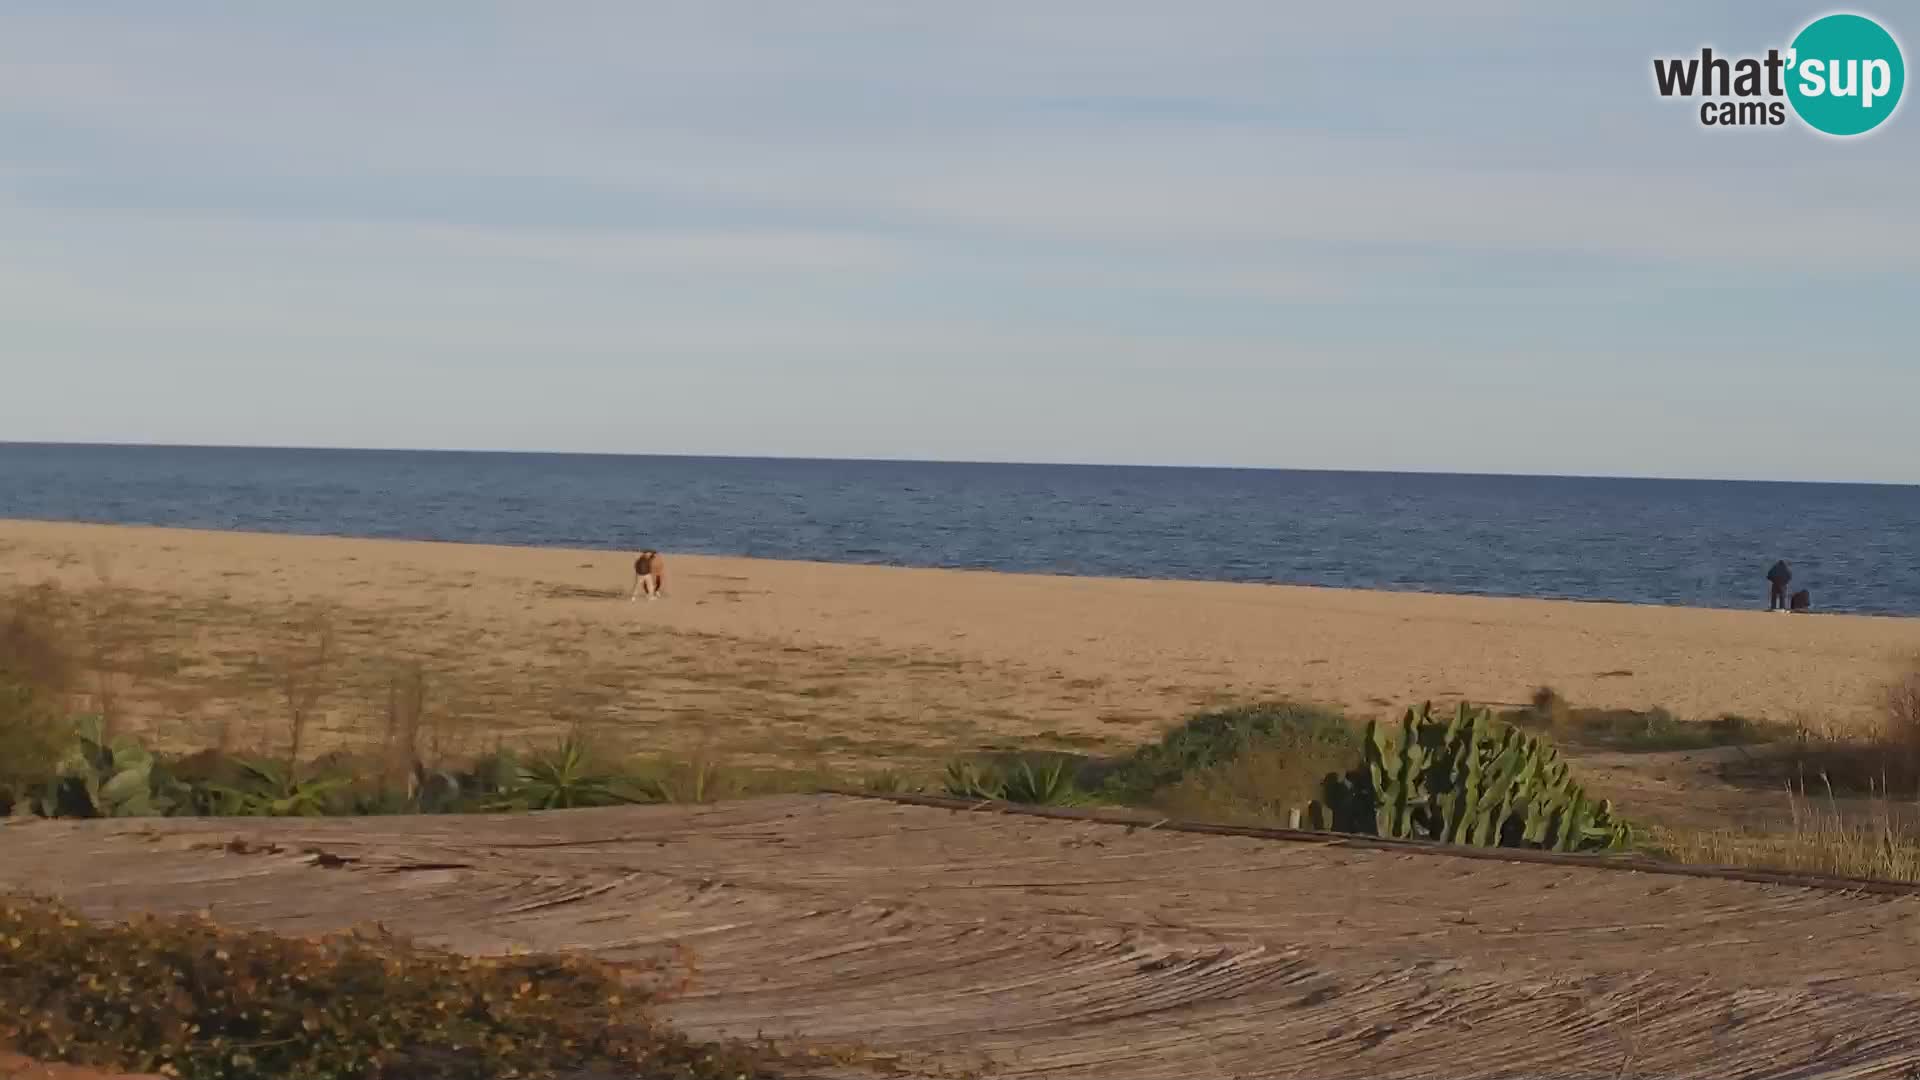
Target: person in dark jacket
point(1777, 578)
point(649, 575)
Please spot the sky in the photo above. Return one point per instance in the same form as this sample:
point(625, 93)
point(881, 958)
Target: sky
point(1358, 236)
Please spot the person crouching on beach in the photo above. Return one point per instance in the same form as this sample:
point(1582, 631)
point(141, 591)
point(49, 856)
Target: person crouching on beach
point(649, 575)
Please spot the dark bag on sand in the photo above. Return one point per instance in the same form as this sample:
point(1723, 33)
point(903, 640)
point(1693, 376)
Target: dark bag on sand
point(1800, 601)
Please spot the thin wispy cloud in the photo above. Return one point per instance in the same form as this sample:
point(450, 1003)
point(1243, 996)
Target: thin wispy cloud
point(1123, 231)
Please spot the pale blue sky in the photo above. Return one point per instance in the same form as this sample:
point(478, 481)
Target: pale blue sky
point(1240, 233)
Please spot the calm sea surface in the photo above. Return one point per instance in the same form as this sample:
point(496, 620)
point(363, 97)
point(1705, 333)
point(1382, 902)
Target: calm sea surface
point(1856, 547)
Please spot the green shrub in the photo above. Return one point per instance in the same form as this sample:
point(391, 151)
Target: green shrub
point(1468, 780)
point(197, 781)
point(1209, 741)
point(186, 998)
point(1267, 784)
point(270, 789)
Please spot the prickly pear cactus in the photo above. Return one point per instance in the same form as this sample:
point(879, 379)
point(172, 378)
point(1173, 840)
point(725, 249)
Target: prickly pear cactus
point(1465, 780)
point(102, 778)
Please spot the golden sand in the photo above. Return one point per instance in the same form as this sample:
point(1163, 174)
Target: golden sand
point(788, 660)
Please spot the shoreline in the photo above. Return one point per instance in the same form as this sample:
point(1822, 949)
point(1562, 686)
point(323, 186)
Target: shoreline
point(785, 659)
point(937, 568)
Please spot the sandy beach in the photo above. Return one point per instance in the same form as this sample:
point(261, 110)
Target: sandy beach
point(797, 661)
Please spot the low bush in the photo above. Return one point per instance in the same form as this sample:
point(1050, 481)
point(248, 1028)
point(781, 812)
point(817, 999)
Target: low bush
point(1637, 730)
point(1848, 763)
point(1266, 784)
point(185, 998)
point(1252, 763)
point(1199, 753)
point(1882, 760)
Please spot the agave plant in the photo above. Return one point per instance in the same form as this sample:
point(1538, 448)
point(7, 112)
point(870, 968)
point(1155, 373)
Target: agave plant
point(966, 780)
point(564, 778)
point(1048, 785)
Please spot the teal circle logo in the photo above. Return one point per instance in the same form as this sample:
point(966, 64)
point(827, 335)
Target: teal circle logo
point(1845, 74)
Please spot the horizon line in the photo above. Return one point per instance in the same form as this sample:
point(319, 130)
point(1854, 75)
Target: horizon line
point(815, 459)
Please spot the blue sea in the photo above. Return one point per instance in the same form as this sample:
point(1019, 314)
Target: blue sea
point(1694, 542)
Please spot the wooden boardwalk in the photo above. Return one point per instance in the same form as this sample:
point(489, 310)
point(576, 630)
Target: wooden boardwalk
point(1013, 946)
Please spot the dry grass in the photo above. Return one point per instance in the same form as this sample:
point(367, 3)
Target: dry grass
point(406, 716)
point(326, 703)
point(302, 671)
point(34, 649)
point(71, 646)
point(289, 680)
point(1884, 760)
point(37, 676)
point(1900, 729)
point(1820, 837)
